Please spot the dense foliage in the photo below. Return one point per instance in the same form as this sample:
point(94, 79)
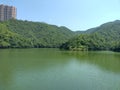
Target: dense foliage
point(20, 34)
point(105, 37)
point(23, 34)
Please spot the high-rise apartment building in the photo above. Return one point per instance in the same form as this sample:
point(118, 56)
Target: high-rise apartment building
point(7, 12)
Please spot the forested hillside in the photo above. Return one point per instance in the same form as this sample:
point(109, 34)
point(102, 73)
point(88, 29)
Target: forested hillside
point(104, 37)
point(23, 34)
point(18, 33)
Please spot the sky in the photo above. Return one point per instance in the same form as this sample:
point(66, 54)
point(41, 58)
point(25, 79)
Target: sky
point(74, 14)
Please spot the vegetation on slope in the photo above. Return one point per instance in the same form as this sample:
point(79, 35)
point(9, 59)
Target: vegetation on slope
point(10, 39)
point(23, 34)
point(105, 37)
point(32, 34)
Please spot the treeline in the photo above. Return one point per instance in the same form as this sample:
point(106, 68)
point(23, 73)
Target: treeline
point(9, 39)
point(28, 34)
point(91, 42)
point(23, 34)
point(105, 37)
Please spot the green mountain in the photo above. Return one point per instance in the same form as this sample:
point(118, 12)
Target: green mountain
point(22, 34)
point(104, 37)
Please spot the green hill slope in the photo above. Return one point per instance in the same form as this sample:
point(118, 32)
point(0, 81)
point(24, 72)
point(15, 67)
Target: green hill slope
point(11, 39)
point(33, 34)
point(104, 37)
point(110, 29)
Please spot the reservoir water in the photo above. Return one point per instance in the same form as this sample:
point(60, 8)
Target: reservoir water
point(52, 69)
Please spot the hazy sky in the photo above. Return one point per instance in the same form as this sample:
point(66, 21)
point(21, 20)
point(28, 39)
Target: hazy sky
point(74, 14)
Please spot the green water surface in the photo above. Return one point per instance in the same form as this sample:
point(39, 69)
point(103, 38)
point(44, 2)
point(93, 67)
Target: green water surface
point(52, 69)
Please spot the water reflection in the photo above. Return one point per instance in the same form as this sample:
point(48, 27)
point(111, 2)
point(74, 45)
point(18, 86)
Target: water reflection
point(51, 69)
point(106, 60)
